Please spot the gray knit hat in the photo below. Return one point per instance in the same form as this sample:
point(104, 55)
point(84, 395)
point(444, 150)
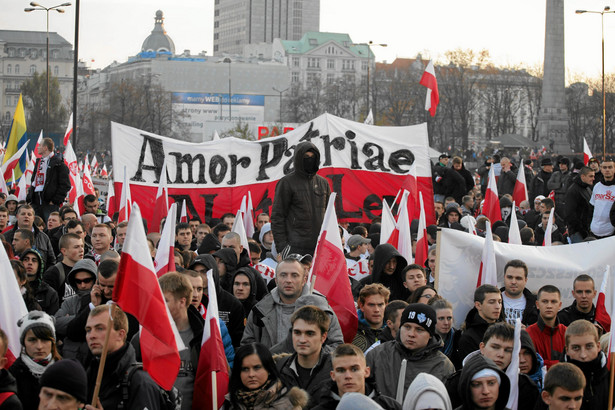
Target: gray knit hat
point(34, 319)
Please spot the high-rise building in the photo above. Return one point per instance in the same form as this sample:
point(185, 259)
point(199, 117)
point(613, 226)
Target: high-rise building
point(239, 22)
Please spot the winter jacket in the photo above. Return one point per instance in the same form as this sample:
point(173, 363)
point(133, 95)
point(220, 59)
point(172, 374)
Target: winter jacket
point(535, 372)
point(423, 383)
point(538, 185)
point(8, 385)
point(57, 181)
point(276, 397)
point(320, 375)
point(530, 313)
point(28, 386)
point(467, 177)
point(46, 297)
point(506, 183)
point(246, 263)
point(475, 327)
point(450, 347)
point(550, 342)
point(578, 211)
point(475, 364)
point(448, 182)
point(382, 254)
point(570, 313)
point(559, 183)
point(385, 363)
point(229, 258)
point(329, 398)
point(143, 392)
point(596, 393)
point(366, 336)
point(55, 276)
point(556, 234)
point(41, 243)
point(299, 205)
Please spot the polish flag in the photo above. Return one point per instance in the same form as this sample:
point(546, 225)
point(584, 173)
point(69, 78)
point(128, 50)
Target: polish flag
point(331, 274)
point(165, 256)
point(79, 205)
point(76, 207)
point(80, 166)
point(520, 190)
point(548, 231)
point(488, 274)
point(22, 192)
point(551, 196)
point(3, 187)
point(513, 369)
point(9, 166)
point(433, 96)
point(212, 360)
point(247, 210)
point(472, 226)
point(111, 200)
point(491, 206)
point(612, 337)
point(422, 246)
point(88, 186)
point(94, 164)
point(401, 237)
point(137, 292)
point(604, 299)
point(70, 159)
point(125, 201)
point(587, 154)
point(387, 225)
point(183, 216)
point(35, 153)
point(12, 307)
point(29, 171)
point(240, 229)
point(69, 130)
point(161, 206)
point(104, 173)
point(86, 163)
point(514, 235)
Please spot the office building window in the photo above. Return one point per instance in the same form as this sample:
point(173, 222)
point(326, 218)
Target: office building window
point(331, 64)
point(16, 68)
point(9, 69)
point(313, 62)
point(32, 69)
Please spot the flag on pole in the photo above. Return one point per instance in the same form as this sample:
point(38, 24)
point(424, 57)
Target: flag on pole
point(520, 190)
point(165, 256)
point(491, 206)
point(111, 200)
point(16, 141)
point(11, 164)
point(422, 245)
point(433, 96)
point(487, 274)
point(12, 307)
point(183, 216)
point(70, 159)
point(137, 292)
point(587, 154)
point(94, 164)
point(125, 201)
point(387, 225)
point(161, 206)
point(21, 189)
point(3, 188)
point(103, 172)
point(69, 130)
point(604, 298)
point(212, 359)
point(239, 228)
point(88, 185)
point(549, 229)
point(29, 170)
point(248, 219)
point(35, 153)
point(86, 163)
point(331, 273)
point(513, 369)
point(401, 237)
point(514, 234)
point(369, 120)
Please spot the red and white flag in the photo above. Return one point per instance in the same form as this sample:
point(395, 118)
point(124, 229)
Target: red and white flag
point(165, 255)
point(433, 96)
point(12, 307)
point(549, 229)
point(9, 166)
point(488, 274)
point(587, 154)
point(604, 301)
point(422, 245)
point(247, 210)
point(387, 225)
point(103, 172)
point(212, 360)
point(514, 234)
point(612, 337)
point(401, 238)
point(80, 166)
point(69, 130)
point(76, 206)
point(22, 192)
point(35, 153)
point(239, 228)
point(70, 159)
point(29, 171)
point(491, 206)
point(331, 274)
point(125, 201)
point(137, 292)
point(86, 163)
point(520, 190)
point(94, 164)
point(88, 185)
point(513, 369)
point(3, 188)
point(111, 200)
point(161, 206)
point(183, 216)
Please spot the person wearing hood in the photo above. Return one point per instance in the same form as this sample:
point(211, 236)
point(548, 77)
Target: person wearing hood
point(451, 215)
point(538, 186)
point(8, 385)
point(483, 385)
point(446, 181)
point(226, 260)
point(427, 392)
point(300, 202)
point(265, 238)
point(244, 288)
point(418, 342)
point(530, 362)
point(229, 308)
point(507, 179)
point(11, 204)
point(388, 268)
point(209, 244)
point(579, 211)
point(232, 240)
point(459, 166)
point(46, 297)
point(24, 286)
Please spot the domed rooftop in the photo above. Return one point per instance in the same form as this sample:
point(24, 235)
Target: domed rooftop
point(158, 41)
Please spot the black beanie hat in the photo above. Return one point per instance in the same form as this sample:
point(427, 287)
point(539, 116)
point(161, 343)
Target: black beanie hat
point(421, 314)
point(68, 376)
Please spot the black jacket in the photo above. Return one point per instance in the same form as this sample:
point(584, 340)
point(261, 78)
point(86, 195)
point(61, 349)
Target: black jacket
point(475, 327)
point(27, 384)
point(579, 211)
point(41, 243)
point(45, 296)
point(538, 185)
point(570, 313)
point(9, 385)
point(319, 376)
point(299, 205)
point(328, 397)
point(471, 367)
point(506, 183)
point(57, 181)
point(382, 254)
point(261, 285)
point(596, 393)
point(467, 176)
point(248, 303)
point(530, 313)
point(447, 182)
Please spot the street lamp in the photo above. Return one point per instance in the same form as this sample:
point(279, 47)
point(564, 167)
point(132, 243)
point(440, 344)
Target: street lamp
point(280, 91)
point(229, 61)
point(369, 44)
point(606, 10)
point(35, 7)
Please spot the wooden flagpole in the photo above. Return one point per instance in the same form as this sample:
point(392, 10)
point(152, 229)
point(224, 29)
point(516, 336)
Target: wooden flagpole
point(214, 390)
point(103, 359)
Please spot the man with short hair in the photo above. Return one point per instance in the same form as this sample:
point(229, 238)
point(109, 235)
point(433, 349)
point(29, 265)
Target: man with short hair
point(220, 230)
point(563, 388)
point(486, 311)
point(194, 223)
point(53, 221)
point(418, 343)
point(579, 211)
point(120, 235)
point(8, 385)
point(89, 222)
point(373, 299)
point(72, 250)
point(201, 231)
point(548, 333)
point(101, 241)
point(4, 217)
point(142, 392)
point(507, 179)
point(183, 237)
point(228, 219)
point(261, 220)
point(91, 205)
point(392, 319)
point(602, 200)
point(583, 292)
point(22, 240)
point(414, 277)
point(309, 366)
point(25, 220)
point(517, 300)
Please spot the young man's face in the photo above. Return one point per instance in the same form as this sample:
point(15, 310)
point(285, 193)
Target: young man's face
point(107, 285)
point(525, 360)
point(197, 290)
point(241, 287)
point(514, 281)
point(413, 336)
point(498, 350)
point(101, 239)
point(307, 338)
point(548, 304)
point(229, 221)
point(485, 391)
point(563, 399)
point(349, 373)
point(4, 218)
point(373, 310)
point(235, 244)
point(184, 237)
point(120, 234)
point(261, 220)
point(583, 348)
point(193, 226)
point(25, 218)
point(584, 294)
point(439, 208)
point(394, 325)
point(53, 221)
point(390, 266)
point(95, 330)
point(200, 234)
point(290, 278)
point(608, 169)
point(91, 207)
point(491, 307)
point(30, 262)
point(68, 216)
point(20, 244)
point(84, 280)
point(415, 278)
point(55, 399)
point(74, 251)
point(177, 306)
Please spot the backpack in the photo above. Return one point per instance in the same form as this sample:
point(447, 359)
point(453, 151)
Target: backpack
point(172, 399)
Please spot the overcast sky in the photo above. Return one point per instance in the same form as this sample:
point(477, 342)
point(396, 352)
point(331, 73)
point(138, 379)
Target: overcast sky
point(512, 31)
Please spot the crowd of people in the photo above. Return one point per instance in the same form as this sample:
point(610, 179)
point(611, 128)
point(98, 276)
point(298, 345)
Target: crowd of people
point(283, 342)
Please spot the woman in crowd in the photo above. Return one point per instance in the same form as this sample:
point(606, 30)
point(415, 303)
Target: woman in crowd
point(24, 286)
point(422, 295)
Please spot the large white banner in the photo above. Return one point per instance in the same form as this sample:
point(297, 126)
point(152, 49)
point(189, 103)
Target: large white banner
point(460, 256)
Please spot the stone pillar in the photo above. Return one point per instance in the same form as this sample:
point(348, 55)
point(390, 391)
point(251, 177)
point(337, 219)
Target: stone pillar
point(553, 115)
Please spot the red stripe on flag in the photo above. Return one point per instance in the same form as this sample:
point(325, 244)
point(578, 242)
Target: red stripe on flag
point(212, 358)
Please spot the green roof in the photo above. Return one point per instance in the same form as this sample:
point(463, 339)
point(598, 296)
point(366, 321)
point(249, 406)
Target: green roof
point(314, 39)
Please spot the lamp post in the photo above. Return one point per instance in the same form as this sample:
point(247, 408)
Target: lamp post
point(229, 61)
point(369, 44)
point(280, 92)
point(606, 10)
point(35, 7)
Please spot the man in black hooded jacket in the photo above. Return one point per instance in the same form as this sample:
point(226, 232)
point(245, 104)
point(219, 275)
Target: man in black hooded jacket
point(388, 269)
point(300, 202)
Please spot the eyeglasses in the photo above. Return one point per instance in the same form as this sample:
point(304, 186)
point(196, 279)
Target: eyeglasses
point(86, 281)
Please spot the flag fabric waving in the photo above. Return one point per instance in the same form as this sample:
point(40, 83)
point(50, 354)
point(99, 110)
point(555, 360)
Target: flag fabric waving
point(549, 230)
point(331, 273)
point(491, 206)
point(88, 185)
point(239, 228)
point(165, 256)
point(433, 95)
point(212, 358)
point(513, 369)
point(183, 216)
point(125, 201)
point(17, 139)
point(520, 190)
point(370, 118)
point(35, 153)
point(604, 298)
point(514, 234)
point(487, 274)
point(387, 226)
point(137, 292)
point(422, 245)
point(69, 130)
point(161, 206)
point(587, 154)
point(70, 159)
point(111, 200)
point(9, 167)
